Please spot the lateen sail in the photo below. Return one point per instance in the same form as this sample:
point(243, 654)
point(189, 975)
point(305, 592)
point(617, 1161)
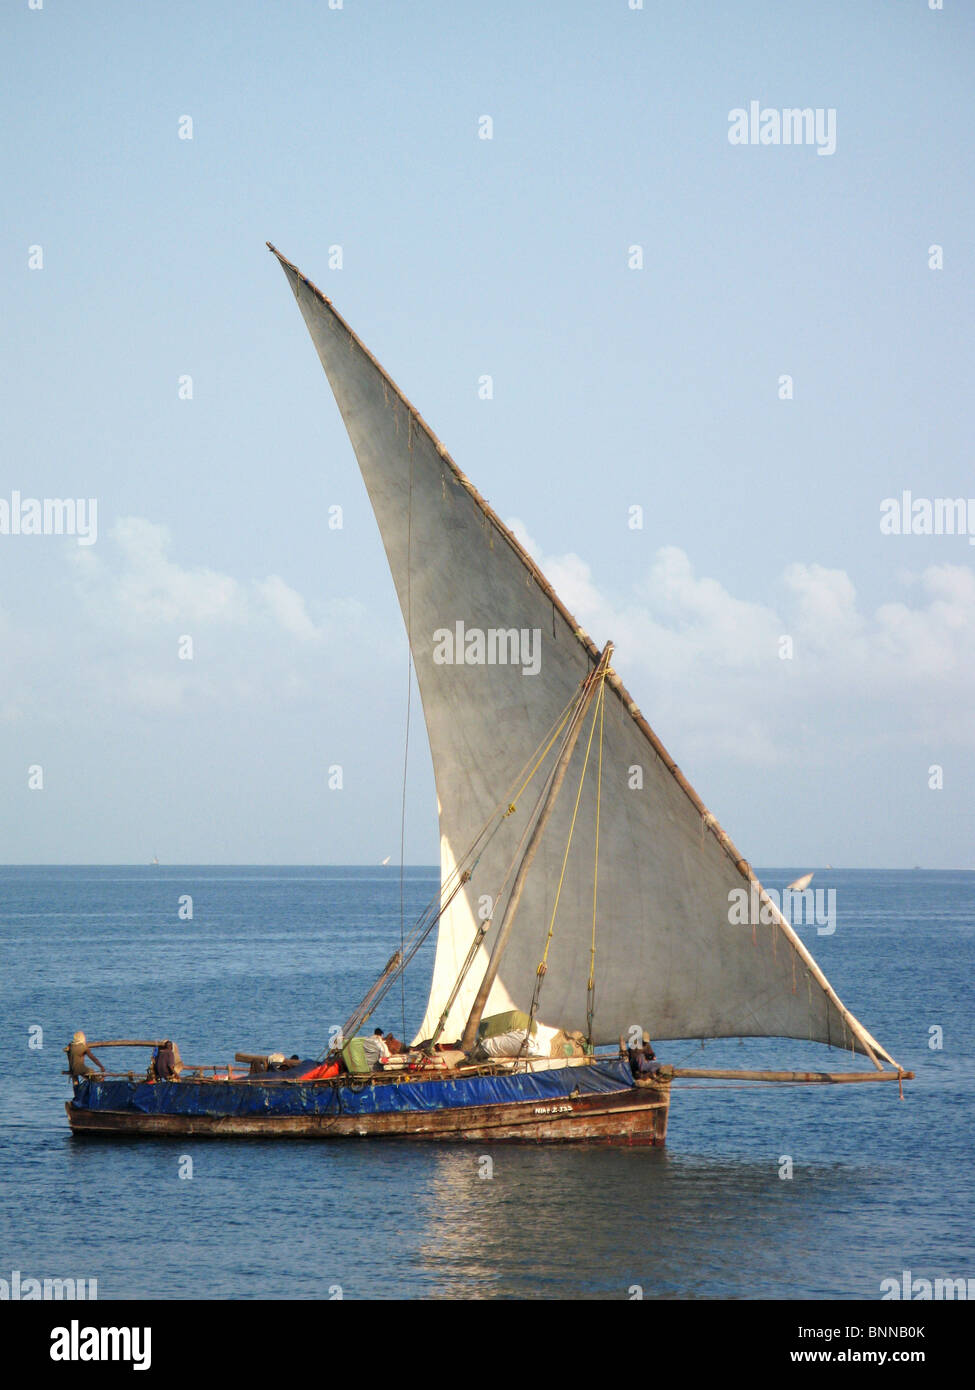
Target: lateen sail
point(667, 957)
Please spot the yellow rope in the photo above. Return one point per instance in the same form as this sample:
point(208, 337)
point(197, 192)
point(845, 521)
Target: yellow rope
point(509, 807)
point(543, 755)
point(595, 871)
point(543, 963)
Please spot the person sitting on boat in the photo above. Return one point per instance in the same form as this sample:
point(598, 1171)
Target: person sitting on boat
point(375, 1049)
point(166, 1064)
point(77, 1051)
point(394, 1045)
point(643, 1059)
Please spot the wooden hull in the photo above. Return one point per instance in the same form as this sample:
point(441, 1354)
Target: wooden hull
point(633, 1117)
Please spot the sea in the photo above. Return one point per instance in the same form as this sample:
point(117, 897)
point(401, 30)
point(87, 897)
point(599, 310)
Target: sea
point(762, 1191)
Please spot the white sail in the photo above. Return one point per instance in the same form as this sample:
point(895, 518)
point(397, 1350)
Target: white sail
point(669, 955)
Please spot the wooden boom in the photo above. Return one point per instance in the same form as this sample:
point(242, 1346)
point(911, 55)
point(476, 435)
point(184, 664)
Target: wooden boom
point(823, 1076)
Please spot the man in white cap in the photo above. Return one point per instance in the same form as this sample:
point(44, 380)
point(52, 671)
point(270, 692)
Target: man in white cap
point(77, 1051)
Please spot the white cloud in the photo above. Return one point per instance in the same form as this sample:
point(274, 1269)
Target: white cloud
point(287, 607)
point(145, 587)
point(256, 643)
point(824, 604)
point(706, 669)
point(140, 586)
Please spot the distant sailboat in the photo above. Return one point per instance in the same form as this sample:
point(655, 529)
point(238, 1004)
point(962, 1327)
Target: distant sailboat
point(153, 860)
point(566, 921)
point(800, 884)
point(384, 862)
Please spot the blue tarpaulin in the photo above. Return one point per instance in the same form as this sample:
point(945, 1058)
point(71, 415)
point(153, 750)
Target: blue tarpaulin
point(259, 1097)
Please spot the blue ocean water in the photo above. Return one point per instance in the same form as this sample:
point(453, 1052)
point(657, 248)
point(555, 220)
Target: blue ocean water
point(272, 958)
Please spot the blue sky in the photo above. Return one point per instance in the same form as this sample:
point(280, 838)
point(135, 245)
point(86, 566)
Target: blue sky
point(463, 257)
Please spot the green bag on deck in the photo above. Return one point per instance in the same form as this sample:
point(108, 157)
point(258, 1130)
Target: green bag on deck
point(497, 1024)
point(354, 1055)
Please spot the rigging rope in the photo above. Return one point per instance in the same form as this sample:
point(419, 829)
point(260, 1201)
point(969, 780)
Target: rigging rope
point(591, 987)
point(402, 829)
point(534, 761)
point(543, 963)
point(456, 878)
point(428, 919)
point(406, 747)
point(394, 969)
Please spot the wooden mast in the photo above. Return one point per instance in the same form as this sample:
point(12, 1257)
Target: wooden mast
point(561, 768)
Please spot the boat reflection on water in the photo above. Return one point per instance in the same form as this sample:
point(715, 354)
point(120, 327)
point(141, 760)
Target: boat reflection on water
point(582, 1222)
